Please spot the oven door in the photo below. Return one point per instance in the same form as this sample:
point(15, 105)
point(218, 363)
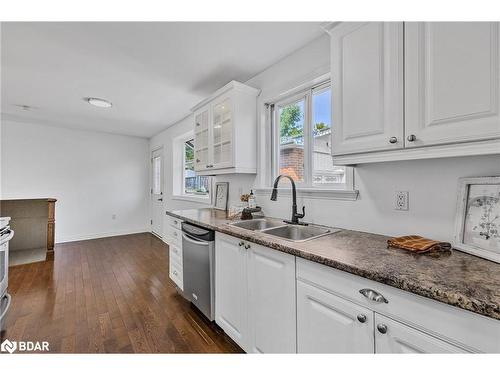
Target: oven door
point(5, 237)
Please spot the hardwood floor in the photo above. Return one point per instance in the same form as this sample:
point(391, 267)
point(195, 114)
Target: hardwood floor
point(110, 295)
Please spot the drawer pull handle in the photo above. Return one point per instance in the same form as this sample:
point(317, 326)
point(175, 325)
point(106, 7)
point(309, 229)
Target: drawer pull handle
point(175, 273)
point(382, 328)
point(247, 247)
point(373, 295)
point(241, 243)
point(361, 318)
point(393, 140)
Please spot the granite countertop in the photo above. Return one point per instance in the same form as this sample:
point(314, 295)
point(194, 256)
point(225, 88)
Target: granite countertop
point(453, 277)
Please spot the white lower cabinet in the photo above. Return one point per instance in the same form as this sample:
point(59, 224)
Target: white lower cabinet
point(268, 301)
point(255, 295)
point(231, 300)
point(271, 301)
point(395, 337)
point(329, 324)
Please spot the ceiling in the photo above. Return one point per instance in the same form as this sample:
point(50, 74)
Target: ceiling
point(153, 73)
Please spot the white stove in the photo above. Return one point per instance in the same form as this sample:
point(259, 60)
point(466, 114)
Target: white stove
point(6, 235)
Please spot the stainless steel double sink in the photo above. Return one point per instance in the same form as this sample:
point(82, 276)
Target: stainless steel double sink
point(290, 232)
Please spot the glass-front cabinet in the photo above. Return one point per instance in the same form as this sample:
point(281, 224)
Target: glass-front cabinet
point(222, 133)
point(226, 131)
point(201, 131)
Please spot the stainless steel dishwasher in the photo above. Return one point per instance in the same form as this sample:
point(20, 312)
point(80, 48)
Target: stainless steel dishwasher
point(198, 252)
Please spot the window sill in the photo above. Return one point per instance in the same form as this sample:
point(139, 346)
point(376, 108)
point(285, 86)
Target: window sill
point(313, 193)
point(192, 198)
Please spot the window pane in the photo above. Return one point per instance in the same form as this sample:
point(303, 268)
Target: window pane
point(324, 172)
point(291, 136)
point(157, 175)
point(193, 184)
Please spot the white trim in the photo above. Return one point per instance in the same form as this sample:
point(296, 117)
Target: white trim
point(230, 86)
point(92, 236)
point(313, 193)
point(193, 198)
point(489, 147)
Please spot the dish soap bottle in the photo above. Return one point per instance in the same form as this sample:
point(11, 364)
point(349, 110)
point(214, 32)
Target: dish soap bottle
point(251, 200)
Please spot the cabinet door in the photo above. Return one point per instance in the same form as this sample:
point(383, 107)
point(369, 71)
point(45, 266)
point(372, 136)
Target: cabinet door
point(231, 288)
point(330, 324)
point(271, 289)
point(222, 134)
point(201, 139)
point(394, 337)
point(367, 86)
point(452, 82)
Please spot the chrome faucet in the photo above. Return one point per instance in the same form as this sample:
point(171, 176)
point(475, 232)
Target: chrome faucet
point(295, 216)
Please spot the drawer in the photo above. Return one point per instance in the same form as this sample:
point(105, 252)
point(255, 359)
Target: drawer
point(174, 236)
point(471, 331)
point(174, 222)
point(175, 273)
point(175, 253)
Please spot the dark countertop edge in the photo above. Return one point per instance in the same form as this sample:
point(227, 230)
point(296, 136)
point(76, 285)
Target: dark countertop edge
point(486, 310)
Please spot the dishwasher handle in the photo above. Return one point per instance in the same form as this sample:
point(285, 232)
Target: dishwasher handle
point(194, 241)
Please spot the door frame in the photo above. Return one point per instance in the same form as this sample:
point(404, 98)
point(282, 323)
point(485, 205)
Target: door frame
point(154, 151)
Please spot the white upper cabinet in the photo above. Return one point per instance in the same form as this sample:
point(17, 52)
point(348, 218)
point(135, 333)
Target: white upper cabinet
point(450, 104)
point(452, 82)
point(367, 86)
point(225, 131)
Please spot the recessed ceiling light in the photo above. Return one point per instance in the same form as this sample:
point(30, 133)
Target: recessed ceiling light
point(102, 103)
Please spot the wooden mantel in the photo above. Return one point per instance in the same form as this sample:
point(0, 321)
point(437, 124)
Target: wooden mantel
point(33, 220)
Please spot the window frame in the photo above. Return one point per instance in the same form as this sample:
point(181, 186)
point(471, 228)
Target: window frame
point(179, 163)
point(306, 94)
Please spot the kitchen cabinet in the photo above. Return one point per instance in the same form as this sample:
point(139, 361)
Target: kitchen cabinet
point(367, 86)
point(271, 300)
point(225, 128)
point(329, 301)
point(255, 295)
point(173, 237)
point(231, 301)
point(329, 324)
point(450, 102)
point(394, 337)
point(452, 82)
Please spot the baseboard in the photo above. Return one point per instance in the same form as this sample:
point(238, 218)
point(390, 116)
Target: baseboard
point(93, 236)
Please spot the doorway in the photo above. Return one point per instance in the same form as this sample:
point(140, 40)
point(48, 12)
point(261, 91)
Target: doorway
point(157, 192)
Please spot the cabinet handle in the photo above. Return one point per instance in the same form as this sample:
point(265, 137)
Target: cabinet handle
point(175, 273)
point(382, 328)
point(197, 160)
point(372, 295)
point(241, 243)
point(393, 140)
point(411, 138)
point(361, 318)
point(247, 247)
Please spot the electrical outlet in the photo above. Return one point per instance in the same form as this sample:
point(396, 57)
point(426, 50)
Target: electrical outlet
point(401, 201)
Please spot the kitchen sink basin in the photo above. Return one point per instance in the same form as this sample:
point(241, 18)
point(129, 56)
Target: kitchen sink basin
point(258, 224)
point(299, 233)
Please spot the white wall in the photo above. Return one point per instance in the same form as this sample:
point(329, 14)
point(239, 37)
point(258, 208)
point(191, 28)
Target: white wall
point(92, 175)
point(432, 184)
